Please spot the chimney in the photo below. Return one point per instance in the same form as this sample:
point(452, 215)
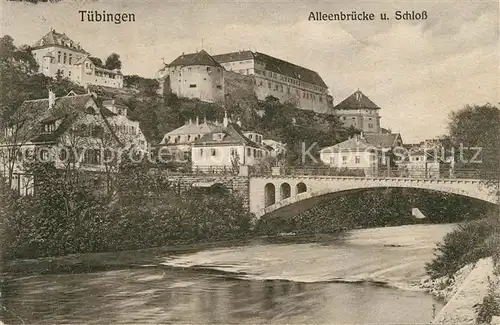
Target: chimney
point(226, 120)
point(197, 120)
point(190, 121)
point(52, 99)
point(205, 119)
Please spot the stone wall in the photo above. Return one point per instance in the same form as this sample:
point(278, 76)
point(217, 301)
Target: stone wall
point(237, 185)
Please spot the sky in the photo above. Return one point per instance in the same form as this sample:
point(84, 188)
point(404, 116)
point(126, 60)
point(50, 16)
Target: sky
point(416, 71)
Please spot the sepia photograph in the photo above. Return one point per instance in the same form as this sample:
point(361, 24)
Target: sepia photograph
point(245, 162)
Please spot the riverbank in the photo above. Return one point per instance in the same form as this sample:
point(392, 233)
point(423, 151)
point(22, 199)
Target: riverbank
point(464, 291)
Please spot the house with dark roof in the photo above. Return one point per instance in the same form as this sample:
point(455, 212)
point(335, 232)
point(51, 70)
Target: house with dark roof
point(57, 54)
point(176, 144)
point(271, 77)
point(354, 153)
point(360, 112)
point(228, 147)
point(193, 75)
point(81, 131)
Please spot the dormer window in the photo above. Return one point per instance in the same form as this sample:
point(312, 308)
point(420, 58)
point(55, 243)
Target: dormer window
point(49, 127)
point(218, 136)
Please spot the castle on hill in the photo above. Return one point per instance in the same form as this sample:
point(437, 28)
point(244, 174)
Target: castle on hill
point(200, 75)
point(56, 54)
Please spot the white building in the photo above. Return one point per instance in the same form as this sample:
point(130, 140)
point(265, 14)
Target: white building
point(176, 144)
point(56, 54)
point(354, 153)
point(227, 148)
point(424, 163)
point(194, 75)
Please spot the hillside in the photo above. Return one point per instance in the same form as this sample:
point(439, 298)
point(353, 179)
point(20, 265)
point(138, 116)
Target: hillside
point(280, 121)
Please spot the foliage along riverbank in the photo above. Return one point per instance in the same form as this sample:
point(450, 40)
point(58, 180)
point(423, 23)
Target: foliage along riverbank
point(466, 272)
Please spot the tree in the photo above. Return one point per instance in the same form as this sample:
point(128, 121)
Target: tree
point(113, 62)
point(476, 129)
point(96, 61)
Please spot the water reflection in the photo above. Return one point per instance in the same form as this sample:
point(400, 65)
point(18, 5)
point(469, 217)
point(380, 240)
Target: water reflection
point(155, 295)
point(204, 287)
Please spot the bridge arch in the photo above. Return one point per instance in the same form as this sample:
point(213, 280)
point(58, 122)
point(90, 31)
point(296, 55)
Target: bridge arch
point(269, 194)
point(301, 188)
point(307, 187)
point(285, 191)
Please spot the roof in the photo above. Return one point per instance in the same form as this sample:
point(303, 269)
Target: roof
point(357, 100)
point(66, 108)
point(232, 135)
point(355, 143)
point(60, 39)
point(107, 70)
point(234, 56)
point(290, 69)
point(386, 140)
point(275, 65)
point(193, 128)
point(198, 58)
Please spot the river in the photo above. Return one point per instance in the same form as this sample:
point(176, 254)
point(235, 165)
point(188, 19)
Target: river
point(365, 276)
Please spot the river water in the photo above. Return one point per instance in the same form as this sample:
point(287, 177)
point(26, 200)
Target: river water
point(364, 277)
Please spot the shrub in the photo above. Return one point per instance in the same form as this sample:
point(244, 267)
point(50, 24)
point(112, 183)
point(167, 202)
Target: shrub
point(470, 242)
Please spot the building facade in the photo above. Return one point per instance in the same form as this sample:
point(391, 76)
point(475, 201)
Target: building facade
point(354, 153)
point(227, 148)
point(360, 112)
point(199, 75)
point(194, 75)
point(56, 54)
point(175, 145)
point(284, 80)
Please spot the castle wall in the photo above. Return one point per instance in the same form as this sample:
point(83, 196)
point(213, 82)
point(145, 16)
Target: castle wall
point(203, 82)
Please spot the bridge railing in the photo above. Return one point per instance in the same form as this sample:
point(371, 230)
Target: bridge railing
point(384, 171)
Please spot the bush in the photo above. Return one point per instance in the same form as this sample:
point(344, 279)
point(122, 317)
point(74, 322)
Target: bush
point(470, 242)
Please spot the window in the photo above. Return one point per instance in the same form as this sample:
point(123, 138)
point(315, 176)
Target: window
point(214, 152)
point(208, 69)
point(344, 159)
point(69, 73)
point(64, 61)
point(192, 86)
point(219, 87)
point(250, 136)
point(255, 152)
point(370, 125)
point(70, 58)
point(233, 151)
point(288, 90)
point(357, 159)
point(201, 152)
point(269, 85)
point(249, 152)
point(59, 57)
point(332, 160)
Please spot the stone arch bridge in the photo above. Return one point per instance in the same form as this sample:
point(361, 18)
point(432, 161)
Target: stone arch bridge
point(268, 194)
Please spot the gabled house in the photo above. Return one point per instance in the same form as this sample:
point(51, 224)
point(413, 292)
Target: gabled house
point(176, 144)
point(227, 147)
point(354, 153)
point(81, 131)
